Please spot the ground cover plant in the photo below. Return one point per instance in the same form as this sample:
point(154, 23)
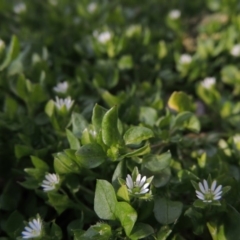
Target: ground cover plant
point(120, 120)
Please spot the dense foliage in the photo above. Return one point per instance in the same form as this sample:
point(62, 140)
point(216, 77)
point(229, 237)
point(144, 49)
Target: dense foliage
point(120, 120)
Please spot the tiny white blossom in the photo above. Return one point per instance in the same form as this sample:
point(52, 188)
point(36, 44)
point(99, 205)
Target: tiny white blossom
point(2, 45)
point(61, 87)
point(50, 182)
point(19, 8)
point(33, 230)
point(92, 7)
point(139, 186)
point(103, 37)
point(208, 82)
point(60, 103)
point(174, 14)
point(208, 194)
point(53, 2)
point(185, 59)
point(235, 51)
point(236, 138)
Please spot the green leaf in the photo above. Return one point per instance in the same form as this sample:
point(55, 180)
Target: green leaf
point(38, 163)
point(156, 163)
point(125, 62)
point(166, 211)
point(64, 162)
point(187, 120)
point(141, 230)
point(230, 75)
point(105, 200)
point(12, 53)
point(14, 224)
point(110, 133)
point(163, 233)
point(148, 115)
point(97, 116)
point(56, 232)
point(199, 204)
point(119, 172)
point(138, 152)
point(59, 202)
point(91, 155)
point(100, 231)
point(122, 193)
point(161, 178)
point(136, 135)
point(22, 150)
point(73, 141)
point(110, 99)
point(79, 123)
point(127, 216)
point(180, 101)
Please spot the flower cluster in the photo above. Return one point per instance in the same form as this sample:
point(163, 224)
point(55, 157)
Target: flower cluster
point(207, 193)
point(33, 230)
point(235, 51)
point(208, 82)
point(50, 182)
point(185, 59)
point(61, 103)
point(174, 14)
point(102, 37)
point(138, 185)
point(61, 87)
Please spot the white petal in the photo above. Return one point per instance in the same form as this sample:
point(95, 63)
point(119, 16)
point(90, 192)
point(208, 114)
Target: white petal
point(199, 193)
point(129, 181)
point(217, 197)
point(145, 185)
point(144, 191)
point(218, 189)
point(142, 181)
point(218, 194)
point(200, 197)
point(138, 179)
point(201, 187)
point(205, 183)
point(213, 186)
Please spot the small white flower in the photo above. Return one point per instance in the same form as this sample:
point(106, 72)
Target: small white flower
point(50, 182)
point(235, 51)
point(33, 230)
point(139, 186)
point(2, 45)
point(208, 194)
point(185, 59)
point(103, 37)
point(92, 7)
point(61, 87)
point(208, 82)
point(60, 103)
point(19, 8)
point(236, 138)
point(53, 2)
point(174, 14)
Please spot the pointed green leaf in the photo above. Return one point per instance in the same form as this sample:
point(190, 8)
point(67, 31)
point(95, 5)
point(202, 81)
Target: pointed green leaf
point(105, 200)
point(73, 141)
point(136, 135)
point(167, 211)
point(141, 230)
point(127, 215)
point(180, 101)
point(156, 163)
point(110, 134)
point(12, 53)
point(98, 113)
point(91, 155)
